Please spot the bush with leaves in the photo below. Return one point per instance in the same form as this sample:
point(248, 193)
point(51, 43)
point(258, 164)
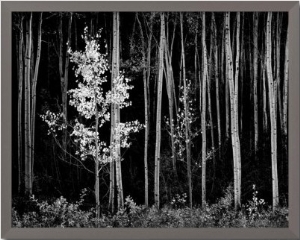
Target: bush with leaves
point(59, 213)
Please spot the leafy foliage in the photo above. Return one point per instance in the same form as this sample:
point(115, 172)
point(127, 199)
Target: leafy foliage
point(61, 213)
point(91, 102)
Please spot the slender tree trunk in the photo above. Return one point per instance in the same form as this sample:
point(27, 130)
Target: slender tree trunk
point(255, 79)
point(216, 69)
point(97, 181)
point(236, 105)
point(242, 69)
point(27, 120)
point(272, 112)
point(33, 96)
point(227, 104)
point(233, 91)
point(112, 176)
point(158, 111)
point(187, 124)
point(278, 79)
point(146, 109)
point(203, 113)
point(112, 182)
point(265, 115)
point(116, 67)
point(20, 101)
point(171, 93)
point(285, 85)
point(209, 105)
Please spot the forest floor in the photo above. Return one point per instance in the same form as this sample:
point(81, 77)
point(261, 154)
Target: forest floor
point(61, 213)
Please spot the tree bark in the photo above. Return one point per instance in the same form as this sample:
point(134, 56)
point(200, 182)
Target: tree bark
point(20, 101)
point(278, 79)
point(203, 113)
point(272, 112)
point(187, 124)
point(233, 91)
point(97, 180)
point(27, 119)
point(146, 109)
point(158, 111)
point(285, 85)
point(216, 69)
point(255, 78)
point(34, 83)
point(115, 73)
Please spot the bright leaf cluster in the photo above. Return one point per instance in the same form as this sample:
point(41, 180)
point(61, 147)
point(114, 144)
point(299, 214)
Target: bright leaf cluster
point(90, 98)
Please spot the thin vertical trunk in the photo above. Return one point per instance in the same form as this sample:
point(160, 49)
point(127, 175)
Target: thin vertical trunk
point(66, 77)
point(97, 181)
point(116, 67)
point(112, 182)
point(158, 110)
point(242, 67)
point(27, 119)
point(196, 53)
point(216, 69)
point(169, 83)
point(236, 104)
point(272, 112)
point(265, 115)
point(209, 105)
point(20, 100)
point(226, 84)
point(278, 79)
point(112, 164)
point(34, 83)
point(255, 76)
point(285, 85)
point(146, 110)
point(233, 91)
point(62, 80)
point(203, 113)
point(187, 124)
point(171, 93)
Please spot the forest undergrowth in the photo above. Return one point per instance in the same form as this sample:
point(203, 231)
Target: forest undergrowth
point(256, 213)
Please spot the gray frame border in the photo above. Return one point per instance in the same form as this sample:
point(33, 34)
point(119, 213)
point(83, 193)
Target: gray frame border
point(184, 233)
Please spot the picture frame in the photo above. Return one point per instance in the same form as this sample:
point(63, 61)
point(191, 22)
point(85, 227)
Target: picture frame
point(7, 232)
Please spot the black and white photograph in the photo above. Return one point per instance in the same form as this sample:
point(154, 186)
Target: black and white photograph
point(150, 119)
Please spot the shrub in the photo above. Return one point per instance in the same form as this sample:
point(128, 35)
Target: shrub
point(59, 213)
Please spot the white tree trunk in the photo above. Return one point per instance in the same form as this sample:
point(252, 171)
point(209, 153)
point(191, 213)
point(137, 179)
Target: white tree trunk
point(158, 111)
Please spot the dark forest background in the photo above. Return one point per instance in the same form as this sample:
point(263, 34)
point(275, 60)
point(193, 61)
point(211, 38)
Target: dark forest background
point(56, 174)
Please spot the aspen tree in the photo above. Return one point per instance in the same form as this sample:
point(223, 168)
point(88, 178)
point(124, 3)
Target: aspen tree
point(272, 112)
point(203, 113)
point(64, 71)
point(233, 91)
point(27, 119)
point(146, 108)
point(242, 70)
point(285, 84)
point(209, 105)
point(171, 91)
point(187, 124)
point(147, 130)
point(255, 78)
point(34, 83)
point(116, 137)
point(278, 78)
point(226, 85)
point(236, 95)
point(20, 100)
point(216, 69)
point(158, 110)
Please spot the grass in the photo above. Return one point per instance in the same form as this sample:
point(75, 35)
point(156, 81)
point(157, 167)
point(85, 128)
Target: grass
point(60, 213)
